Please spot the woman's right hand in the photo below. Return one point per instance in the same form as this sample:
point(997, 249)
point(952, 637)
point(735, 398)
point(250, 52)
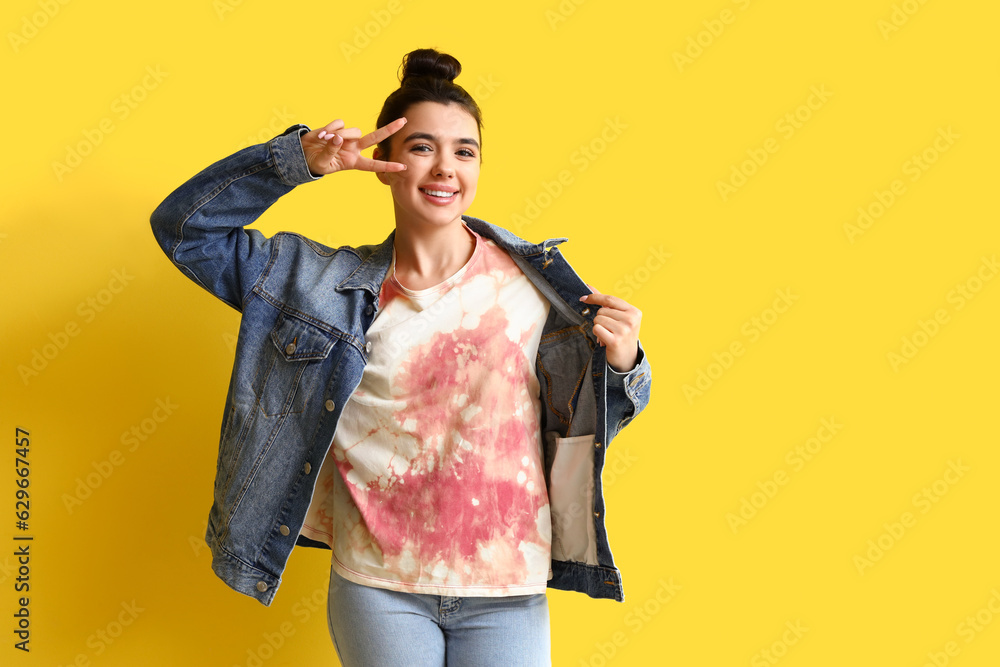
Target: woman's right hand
point(334, 148)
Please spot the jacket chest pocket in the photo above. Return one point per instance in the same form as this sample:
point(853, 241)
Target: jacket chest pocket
point(294, 348)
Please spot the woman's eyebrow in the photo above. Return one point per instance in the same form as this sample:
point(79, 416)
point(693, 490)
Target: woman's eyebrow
point(431, 137)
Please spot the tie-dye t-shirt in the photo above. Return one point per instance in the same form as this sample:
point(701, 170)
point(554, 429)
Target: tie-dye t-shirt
point(434, 483)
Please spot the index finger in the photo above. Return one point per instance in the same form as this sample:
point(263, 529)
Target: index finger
point(605, 300)
point(368, 164)
point(378, 135)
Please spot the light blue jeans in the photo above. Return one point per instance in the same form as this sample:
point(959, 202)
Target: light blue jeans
point(375, 627)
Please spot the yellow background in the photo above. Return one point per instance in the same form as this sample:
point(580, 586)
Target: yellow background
point(552, 78)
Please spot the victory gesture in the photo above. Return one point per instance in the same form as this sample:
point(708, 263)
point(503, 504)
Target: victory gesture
point(334, 148)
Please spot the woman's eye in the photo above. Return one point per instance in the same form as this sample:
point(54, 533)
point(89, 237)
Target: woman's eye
point(466, 153)
point(421, 147)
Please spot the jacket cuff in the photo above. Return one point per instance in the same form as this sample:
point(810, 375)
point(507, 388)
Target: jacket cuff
point(617, 379)
point(290, 158)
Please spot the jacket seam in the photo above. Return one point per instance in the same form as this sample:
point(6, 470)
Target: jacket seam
point(249, 171)
point(548, 393)
point(252, 473)
point(220, 545)
point(272, 259)
point(324, 326)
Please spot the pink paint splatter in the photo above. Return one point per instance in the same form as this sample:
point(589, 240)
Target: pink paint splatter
point(453, 500)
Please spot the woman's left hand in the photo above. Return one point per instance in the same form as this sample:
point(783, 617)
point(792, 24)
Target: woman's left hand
point(616, 326)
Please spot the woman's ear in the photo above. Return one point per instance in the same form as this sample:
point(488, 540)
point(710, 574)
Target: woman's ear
point(381, 175)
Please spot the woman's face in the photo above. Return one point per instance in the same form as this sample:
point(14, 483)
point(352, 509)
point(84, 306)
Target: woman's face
point(440, 147)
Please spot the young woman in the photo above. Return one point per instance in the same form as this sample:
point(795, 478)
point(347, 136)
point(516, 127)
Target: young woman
point(434, 409)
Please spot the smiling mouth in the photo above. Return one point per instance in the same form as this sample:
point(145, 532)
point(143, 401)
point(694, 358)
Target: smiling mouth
point(440, 194)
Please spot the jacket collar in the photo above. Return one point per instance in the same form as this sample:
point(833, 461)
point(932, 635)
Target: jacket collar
point(509, 241)
point(371, 272)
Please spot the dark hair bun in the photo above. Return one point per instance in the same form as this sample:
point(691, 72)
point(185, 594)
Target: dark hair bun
point(429, 63)
point(426, 76)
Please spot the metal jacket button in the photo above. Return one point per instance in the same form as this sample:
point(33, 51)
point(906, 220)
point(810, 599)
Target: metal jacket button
point(329, 405)
point(284, 530)
point(290, 348)
point(368, 346)
point(261, 586)
point(307, 467)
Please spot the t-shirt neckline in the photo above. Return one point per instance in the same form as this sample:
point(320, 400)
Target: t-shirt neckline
point(444, 284)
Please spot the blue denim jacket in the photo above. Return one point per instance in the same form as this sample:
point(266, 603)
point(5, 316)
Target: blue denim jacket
point(301, 352)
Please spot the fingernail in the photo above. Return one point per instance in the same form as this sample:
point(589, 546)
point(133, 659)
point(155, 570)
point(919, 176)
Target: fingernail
point(321, 134)
point(583, 298)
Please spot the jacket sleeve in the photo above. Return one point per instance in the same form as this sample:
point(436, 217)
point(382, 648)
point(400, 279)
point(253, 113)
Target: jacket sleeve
point(628, 393)
point(200, 225)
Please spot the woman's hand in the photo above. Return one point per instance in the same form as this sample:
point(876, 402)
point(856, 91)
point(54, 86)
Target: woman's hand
point(616, 326)
point(334, 148)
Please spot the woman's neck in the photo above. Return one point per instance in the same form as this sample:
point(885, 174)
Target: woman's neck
point(429, 256)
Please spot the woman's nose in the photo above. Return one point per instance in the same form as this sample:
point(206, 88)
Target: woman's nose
point(444, 168)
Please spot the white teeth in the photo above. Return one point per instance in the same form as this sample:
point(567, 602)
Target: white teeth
point(439, 193)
